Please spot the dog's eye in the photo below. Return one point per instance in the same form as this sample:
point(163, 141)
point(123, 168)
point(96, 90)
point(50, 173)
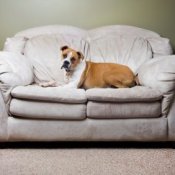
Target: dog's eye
point(72, 59)
point(64, 55)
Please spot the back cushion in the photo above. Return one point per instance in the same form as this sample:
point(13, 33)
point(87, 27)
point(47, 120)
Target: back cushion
point(15, 45)
point(128, 50)
point(160, 46)
point(44, 53)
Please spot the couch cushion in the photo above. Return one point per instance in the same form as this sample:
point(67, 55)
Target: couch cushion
point(135, 94)
point(48, 103)
point(160, 46)
point(136, 102)
point(49, 94)
point(132, 51)
point(44, 53)
point(99, 110)
point(52, 29)
point(47, 110)
point(15, 45)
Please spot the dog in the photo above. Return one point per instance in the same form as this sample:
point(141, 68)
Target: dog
point(86, 74)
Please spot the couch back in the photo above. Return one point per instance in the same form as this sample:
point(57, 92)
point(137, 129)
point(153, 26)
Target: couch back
point(121, 44)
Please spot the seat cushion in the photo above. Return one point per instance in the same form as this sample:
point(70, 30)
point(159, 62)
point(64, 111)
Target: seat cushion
point(49, 94)
point(47, 110)
point(136, 102)
point(125, 110)
point(48, 103)
point(135, 94)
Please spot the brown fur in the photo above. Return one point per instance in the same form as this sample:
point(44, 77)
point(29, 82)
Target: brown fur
point(103, 75)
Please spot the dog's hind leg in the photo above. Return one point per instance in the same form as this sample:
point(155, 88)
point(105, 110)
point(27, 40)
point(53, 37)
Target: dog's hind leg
point(117, 81)
point(118, 84)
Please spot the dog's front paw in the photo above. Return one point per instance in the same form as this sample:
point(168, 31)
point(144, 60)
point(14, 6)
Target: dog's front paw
point(48, 84)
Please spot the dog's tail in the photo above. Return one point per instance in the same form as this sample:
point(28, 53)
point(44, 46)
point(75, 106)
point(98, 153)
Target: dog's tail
point(136, 79)
point(134, 82)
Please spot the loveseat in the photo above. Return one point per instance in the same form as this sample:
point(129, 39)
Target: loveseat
point(29, 112)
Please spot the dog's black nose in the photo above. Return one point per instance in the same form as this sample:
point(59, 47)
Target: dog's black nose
point(66, 62)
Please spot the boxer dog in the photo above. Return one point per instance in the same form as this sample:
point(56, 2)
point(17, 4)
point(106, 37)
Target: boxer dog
point(86, 74)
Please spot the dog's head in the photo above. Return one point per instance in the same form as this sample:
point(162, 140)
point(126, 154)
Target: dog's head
point(70, 58)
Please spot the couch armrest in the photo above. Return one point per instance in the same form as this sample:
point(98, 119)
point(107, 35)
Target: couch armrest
point(171, 122)
point(159, 73)
point(15, 69)
point(3, 119)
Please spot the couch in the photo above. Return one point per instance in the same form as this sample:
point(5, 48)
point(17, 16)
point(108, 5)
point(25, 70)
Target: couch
point(29, 112)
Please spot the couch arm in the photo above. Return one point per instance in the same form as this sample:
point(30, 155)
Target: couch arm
point(3, 119)
point(159, 73)
point(15, 69)
point(171, 122)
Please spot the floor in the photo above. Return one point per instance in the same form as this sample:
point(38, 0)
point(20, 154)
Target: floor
point(87, 158)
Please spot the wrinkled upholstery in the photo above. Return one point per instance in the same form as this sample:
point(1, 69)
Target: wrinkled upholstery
point(135, 94)
point(159, 73)
point(52, 29)
point(15, 44)
point(15, 69)
point(47, 110)
point(48, 103)
point(123, 110)
point(124, 103)
point(160, 46)
point(128, 50)
point(53, 114)
point(49, 94)
point(45, 55)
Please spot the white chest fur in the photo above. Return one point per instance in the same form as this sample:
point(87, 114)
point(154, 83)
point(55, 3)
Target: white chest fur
point(73, 78)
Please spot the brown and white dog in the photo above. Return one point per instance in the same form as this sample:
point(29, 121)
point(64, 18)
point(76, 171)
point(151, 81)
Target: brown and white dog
point(86, 74)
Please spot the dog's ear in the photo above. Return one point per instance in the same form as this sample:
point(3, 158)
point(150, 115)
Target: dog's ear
point(80, 55)
point(64, 48)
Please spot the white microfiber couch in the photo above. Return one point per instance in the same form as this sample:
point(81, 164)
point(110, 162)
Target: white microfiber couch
point(29, 112)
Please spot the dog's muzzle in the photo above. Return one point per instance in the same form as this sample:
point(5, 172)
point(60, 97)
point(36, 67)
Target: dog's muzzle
point(66, 66)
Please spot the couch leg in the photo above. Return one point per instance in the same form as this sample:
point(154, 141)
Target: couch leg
point(3, 145)
point(172, 144)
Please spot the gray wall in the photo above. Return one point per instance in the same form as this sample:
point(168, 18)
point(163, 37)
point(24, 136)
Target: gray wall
point(156, 15)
